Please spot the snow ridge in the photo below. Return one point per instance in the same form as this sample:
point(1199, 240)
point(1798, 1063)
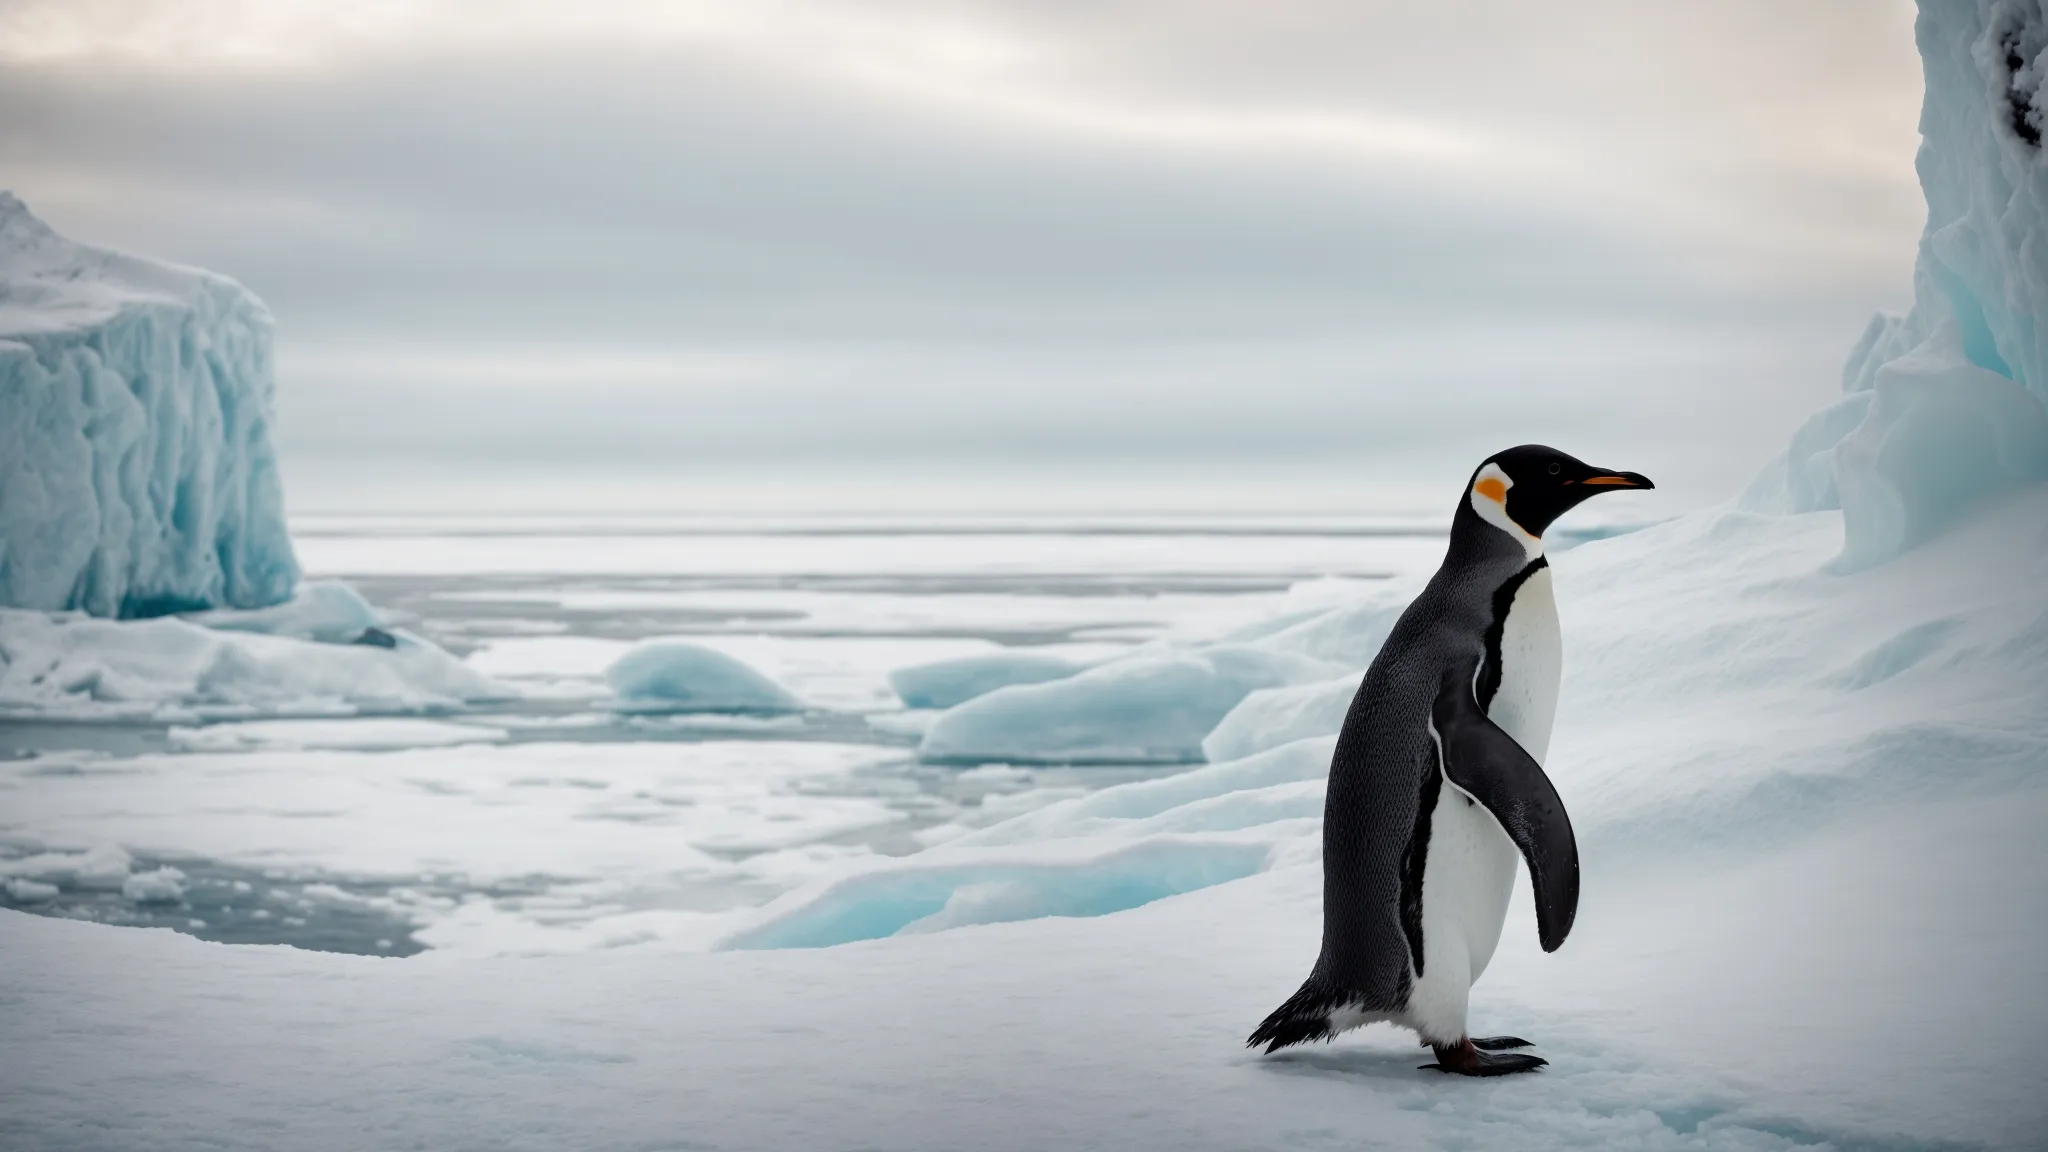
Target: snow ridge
point(137, 475)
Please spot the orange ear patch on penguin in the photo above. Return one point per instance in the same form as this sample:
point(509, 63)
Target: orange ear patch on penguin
point(1493, 489)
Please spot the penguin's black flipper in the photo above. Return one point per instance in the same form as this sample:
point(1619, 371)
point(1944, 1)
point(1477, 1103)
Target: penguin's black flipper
point(1490, 767)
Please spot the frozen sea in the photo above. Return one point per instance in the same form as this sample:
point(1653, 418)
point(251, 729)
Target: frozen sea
point(554, 824)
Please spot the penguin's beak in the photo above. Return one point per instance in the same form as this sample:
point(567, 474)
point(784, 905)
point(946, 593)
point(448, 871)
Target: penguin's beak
point(1617, 480)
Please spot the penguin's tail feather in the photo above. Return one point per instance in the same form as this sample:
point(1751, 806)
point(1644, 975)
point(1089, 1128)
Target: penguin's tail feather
point(1305, 1017)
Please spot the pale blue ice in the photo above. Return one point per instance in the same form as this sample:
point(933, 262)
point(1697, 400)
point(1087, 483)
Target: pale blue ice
point(1944, 406)
point(137, 475)
point(674, 676)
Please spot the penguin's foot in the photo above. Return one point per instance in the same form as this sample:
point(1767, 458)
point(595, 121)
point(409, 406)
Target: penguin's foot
point(1468, 1058)
point(1491, 1043)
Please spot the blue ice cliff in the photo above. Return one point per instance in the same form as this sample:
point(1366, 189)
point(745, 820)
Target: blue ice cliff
point(137, 475)
point(1944, 406)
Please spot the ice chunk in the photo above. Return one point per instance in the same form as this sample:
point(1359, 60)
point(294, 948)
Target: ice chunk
point(325, 610)
point(951, 682)
point(162, 886)
point(103, 867)
point(67, 663)
point(671, 676)
point(1948, 403)
point(948, 888)
point(29, 891)
point(137, 475)
point(1147, 709)
point(1271, 717)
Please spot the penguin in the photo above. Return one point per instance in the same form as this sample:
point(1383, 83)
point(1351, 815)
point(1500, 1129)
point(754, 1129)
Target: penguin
point(1437, 782)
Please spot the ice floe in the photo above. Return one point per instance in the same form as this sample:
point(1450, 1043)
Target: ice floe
point(82, 667)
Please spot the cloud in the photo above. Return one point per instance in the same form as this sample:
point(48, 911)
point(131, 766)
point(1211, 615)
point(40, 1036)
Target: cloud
point(1040, 230)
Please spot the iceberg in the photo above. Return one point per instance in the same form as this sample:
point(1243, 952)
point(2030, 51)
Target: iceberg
point(672, 676)
point(138, 481)
point(1948, 404)
point(1153, 708)
point(137, 475)
point(946, 683)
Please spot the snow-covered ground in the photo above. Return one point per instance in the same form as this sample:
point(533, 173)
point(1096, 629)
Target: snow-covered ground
point(1872, 987)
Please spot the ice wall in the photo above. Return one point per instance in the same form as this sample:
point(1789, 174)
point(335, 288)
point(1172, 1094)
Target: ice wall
point(137, 475)
point(1945, 405)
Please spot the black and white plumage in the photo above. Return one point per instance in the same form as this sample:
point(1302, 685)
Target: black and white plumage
point(1437, 785)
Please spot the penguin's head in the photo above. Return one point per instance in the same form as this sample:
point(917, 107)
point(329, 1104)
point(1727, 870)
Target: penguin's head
point(1522, 490)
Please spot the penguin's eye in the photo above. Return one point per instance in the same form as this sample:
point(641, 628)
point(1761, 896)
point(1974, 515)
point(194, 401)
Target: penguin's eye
point(1555, 467)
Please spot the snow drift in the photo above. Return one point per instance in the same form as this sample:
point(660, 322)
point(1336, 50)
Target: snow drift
point(1945, 405)
point(137, 475)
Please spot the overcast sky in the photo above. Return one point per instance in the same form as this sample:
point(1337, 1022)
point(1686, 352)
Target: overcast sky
point(1178, 239)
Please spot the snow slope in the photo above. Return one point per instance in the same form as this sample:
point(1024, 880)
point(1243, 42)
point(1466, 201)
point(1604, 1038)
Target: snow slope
point(1945, 405)
point(137, 475)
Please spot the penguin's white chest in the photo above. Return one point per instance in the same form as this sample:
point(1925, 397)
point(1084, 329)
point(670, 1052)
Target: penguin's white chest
point(1531, 657)
point(1470, 870)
